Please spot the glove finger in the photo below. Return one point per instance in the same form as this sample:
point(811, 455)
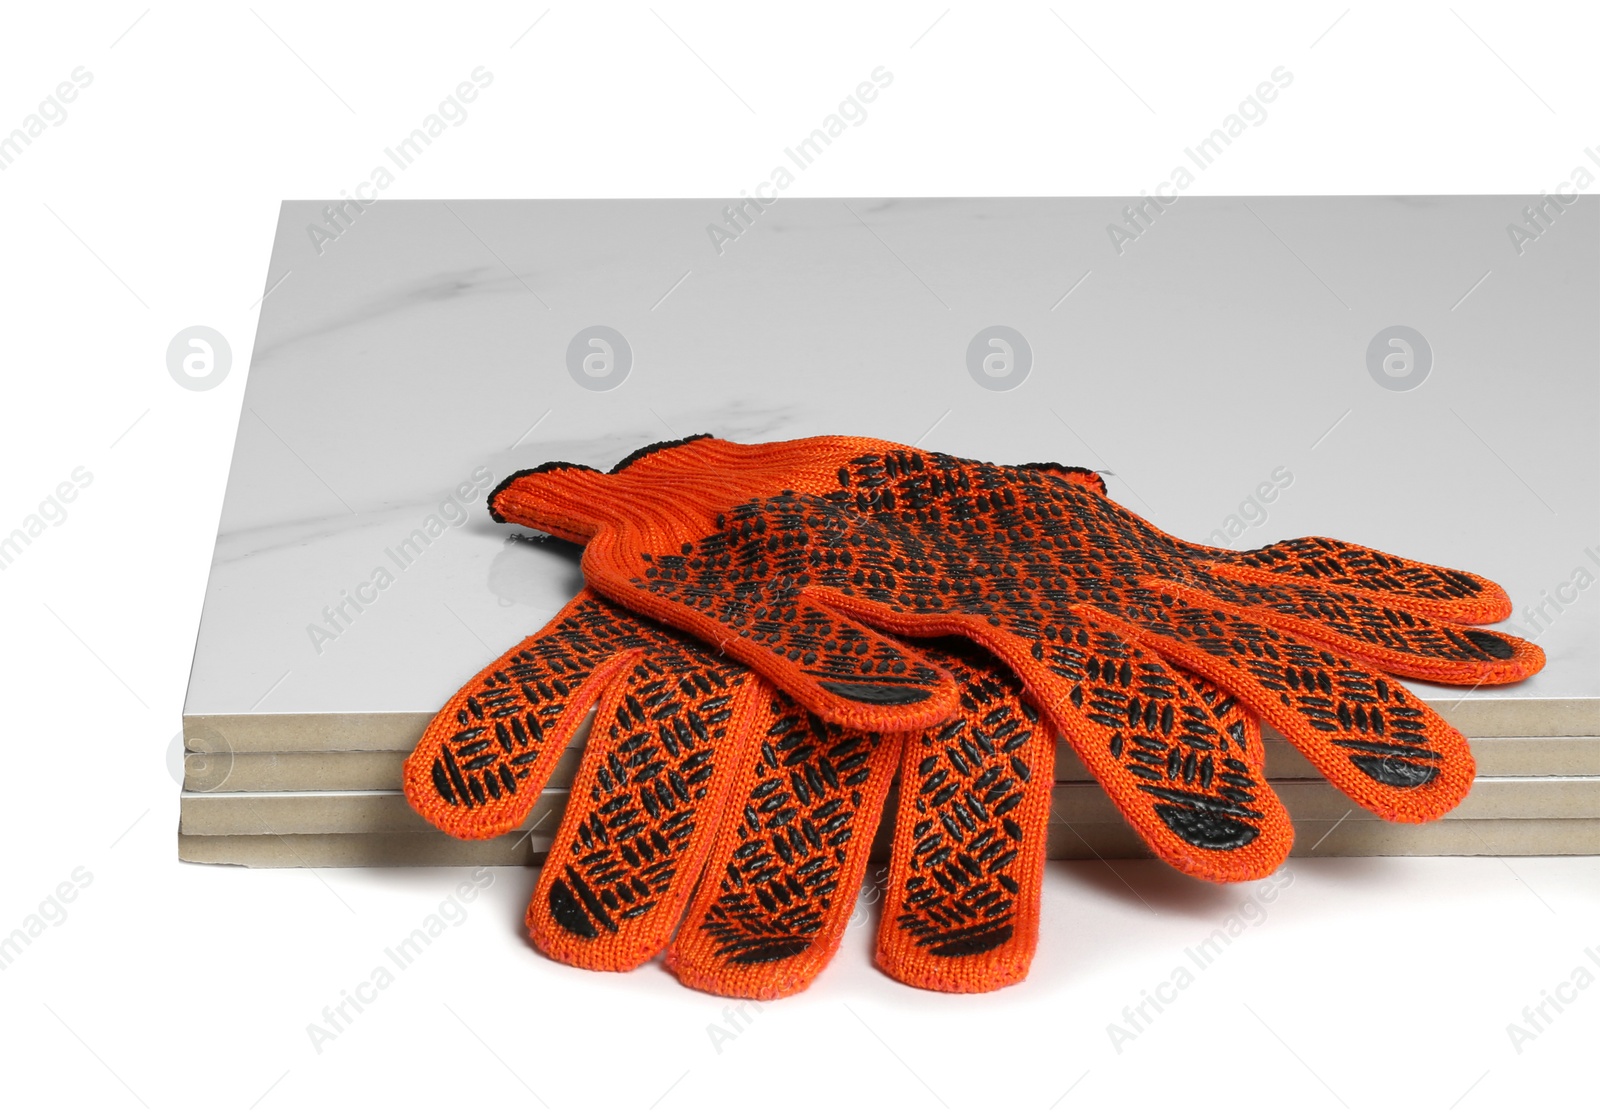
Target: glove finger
point(1383, 636)
point(1176, 769)
point(782, 880)
point(1372, 738)
point(1442, 593)
point(961, 901)
point(671, 737)
point(1243, 779)
point(485, 757)
point(829, 665)
point(803, 643)
point(1394, 613)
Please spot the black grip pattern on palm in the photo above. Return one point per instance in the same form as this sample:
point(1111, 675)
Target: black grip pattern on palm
point(1092, 607)
point(695, 762)
point(962, 888)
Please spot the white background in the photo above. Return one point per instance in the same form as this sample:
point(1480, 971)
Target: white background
point(1367, 984)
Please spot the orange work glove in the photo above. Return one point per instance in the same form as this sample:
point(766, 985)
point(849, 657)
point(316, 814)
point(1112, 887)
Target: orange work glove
point(703, 791)
point(797, 558)
point(703, 795)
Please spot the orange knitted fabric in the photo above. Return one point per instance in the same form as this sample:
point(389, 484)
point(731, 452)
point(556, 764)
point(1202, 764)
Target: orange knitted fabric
point(695, 764)
point(695, 770)
point(672, 724)
point(797, 557)
point(961, 903)
point(704, 790)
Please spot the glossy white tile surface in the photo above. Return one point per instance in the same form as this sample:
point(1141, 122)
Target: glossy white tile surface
point(425, 350)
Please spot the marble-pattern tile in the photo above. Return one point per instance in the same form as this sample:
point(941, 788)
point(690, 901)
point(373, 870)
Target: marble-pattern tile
point(418, 358)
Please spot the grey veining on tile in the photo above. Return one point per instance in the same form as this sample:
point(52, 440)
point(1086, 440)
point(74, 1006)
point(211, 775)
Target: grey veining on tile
point(423, 354)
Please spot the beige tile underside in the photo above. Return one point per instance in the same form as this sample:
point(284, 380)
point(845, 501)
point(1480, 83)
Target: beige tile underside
point(379, 771)
point(1355, 837)
point(1084, 804)
point(1473, 714)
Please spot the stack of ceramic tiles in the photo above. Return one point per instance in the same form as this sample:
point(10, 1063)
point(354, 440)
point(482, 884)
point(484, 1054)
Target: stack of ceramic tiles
point(298, 801)
point(358, 579)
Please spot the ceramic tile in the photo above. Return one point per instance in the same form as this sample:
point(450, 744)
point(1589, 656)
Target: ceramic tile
point(1499, 838)
point(1082, 803)
point(360, 771)
point(423, 355)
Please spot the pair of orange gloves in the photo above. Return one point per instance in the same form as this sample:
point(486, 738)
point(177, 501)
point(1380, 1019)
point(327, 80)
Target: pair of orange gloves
point(771, 634)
